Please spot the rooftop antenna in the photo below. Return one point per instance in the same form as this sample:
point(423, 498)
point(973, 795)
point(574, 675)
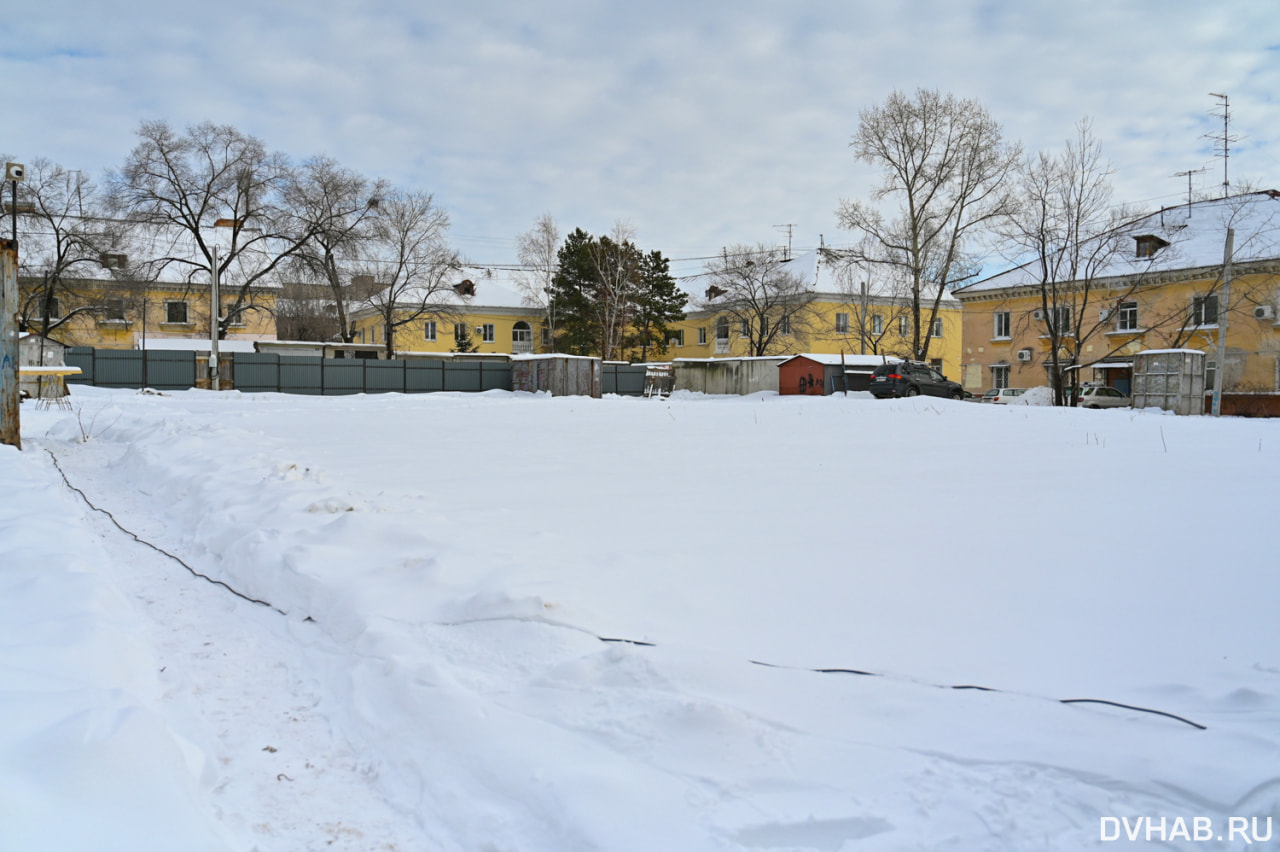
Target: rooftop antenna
point(1223, 148)
point(789, 227)
point(1188, 175)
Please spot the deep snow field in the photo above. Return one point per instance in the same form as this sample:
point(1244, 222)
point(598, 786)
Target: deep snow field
point(510, 622)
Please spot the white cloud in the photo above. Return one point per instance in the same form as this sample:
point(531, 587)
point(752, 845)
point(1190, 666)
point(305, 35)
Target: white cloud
point(702, 124)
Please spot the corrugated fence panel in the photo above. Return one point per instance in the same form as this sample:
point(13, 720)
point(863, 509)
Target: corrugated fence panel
point(256, 372)
point(344, 375)
point(170, 370)
point(495, 376)
point(117, 368)
point(384, 376)
point(301, 375)
point(82, 357)
point(626, 379)
point(462, 376)
point(424, 376)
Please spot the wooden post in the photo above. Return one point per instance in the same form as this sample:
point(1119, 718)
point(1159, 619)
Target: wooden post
point(9, 402)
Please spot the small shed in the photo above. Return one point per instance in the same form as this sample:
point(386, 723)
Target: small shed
point(1172, 379)
point(739, 376)
point(35, 350)
point(819, 375)
point(561, 375)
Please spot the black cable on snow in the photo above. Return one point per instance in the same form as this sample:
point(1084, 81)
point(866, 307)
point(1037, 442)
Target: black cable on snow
point(637, 642)
point(156, 548)
point(1132, 707)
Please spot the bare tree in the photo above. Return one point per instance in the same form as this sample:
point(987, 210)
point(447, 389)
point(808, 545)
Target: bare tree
point(538, 252)
point(879, 301)
point(752, 287)
point(333, 204)
point(945, 165)
point(65, 240)
point(409, 257)
point(1063, 220)
point(187, 187)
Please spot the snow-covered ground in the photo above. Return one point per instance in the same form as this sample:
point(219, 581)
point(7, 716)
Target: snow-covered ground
point(511, 622)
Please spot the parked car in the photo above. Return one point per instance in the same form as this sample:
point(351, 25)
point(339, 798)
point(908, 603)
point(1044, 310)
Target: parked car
point(1003, 396)
point(1100, 397)
point(912, 378)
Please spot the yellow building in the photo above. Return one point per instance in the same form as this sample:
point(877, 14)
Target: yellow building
point(838, 319)
point(1164, 290)
point(113, 314)
point(492, 317)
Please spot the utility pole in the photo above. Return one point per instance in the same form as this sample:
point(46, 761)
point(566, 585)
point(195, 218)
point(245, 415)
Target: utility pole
point(10, 431)
point(214, 310)
point(1224, 301)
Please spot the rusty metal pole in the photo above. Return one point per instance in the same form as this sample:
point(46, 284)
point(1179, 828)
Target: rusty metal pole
point(9, 431)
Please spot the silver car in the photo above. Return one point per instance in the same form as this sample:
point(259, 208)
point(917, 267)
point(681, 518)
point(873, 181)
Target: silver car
point(1101, 398)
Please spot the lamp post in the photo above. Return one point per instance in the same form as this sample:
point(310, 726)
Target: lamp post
point(9, 427)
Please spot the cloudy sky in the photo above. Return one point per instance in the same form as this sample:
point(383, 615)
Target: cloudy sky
point(699, 123)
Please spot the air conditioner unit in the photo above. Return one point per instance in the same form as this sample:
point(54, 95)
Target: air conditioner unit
point(479, 329)
point(1037, 314)
point(1264, 312)
point(1024, 354)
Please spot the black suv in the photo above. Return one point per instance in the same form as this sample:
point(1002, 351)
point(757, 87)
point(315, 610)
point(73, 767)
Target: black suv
point(912, 378)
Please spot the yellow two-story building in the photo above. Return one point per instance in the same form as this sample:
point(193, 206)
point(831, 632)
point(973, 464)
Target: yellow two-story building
point(1168, 287)
point(836, 317)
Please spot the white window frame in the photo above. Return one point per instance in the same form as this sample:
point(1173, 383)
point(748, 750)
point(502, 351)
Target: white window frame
point(999, 375)
point(784, 324)
point(877, 324)
point(842, 323)
point(459, 332)
point(1199, 312)
point(488, 334)
point(675, 337)
point(1001, 325)
point(702, 335)
point(1127, 316)
point(429, 330)
point(904, 326)
point(935, 329)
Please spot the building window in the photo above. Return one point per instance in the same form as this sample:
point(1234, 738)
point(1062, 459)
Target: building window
point(935, 329)
point(1000, 376)
point(1204, 310)
point(175, 312)
point(722, 329)
point(459, 332)
point(784, 325)
point(936, 363)
point(234, 317)
point(675, 337)
point(113, 309)
point(429, 330)
point(842, 323)
point(904, 326)
point(1060, 320)
point(1210, 374)
point(522, 338)
point(702, 335)
point(1127, 316)
point(746, 329)
point(487, 333)
point(1002, 325)
point(877, 324)
point(546, 335)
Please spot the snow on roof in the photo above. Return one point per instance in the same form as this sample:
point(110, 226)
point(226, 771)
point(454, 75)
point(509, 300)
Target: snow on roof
point(1194, 237)
point(188, 344)
point(849, 360)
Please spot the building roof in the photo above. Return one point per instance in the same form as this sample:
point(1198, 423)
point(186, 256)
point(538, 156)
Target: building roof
point(1189, 236)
